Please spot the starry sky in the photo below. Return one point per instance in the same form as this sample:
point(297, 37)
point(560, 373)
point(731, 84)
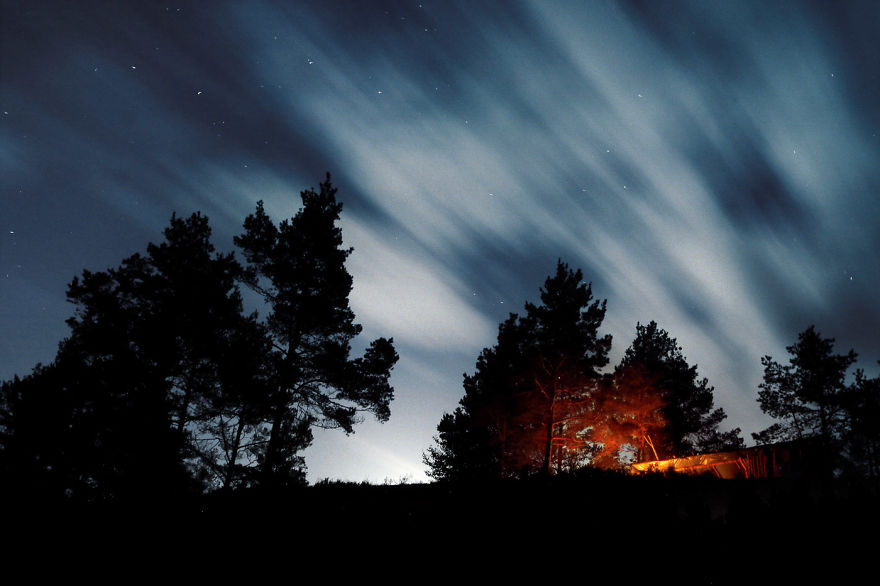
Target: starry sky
point(709, 165)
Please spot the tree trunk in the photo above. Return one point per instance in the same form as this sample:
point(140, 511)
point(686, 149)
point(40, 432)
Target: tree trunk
point(233, 455)
point(273, 447)
point(548, 442)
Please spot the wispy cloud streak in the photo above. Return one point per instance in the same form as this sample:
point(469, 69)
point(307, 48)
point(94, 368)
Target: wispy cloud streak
point(712, 167)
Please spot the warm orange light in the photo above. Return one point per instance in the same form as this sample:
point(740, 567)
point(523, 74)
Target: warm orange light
point(738, 464)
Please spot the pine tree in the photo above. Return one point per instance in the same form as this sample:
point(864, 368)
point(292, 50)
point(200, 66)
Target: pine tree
point(806, 395)
point(527, 404)
point(298, 267)
point(165, 386)
point(861, 429)
point(690, 418)
point(630, 425)
point(125, 400)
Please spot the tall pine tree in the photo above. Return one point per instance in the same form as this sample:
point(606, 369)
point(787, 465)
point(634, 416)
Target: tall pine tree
point(808, 397)
point(529, 401)
point(298, 267)
point(165, 386)
point(122, 408)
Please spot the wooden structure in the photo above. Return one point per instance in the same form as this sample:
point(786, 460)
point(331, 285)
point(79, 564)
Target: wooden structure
point(783, 460)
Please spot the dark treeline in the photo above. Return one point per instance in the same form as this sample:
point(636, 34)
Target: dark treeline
point(166, 387)
point(538, 402)
point(811, 399)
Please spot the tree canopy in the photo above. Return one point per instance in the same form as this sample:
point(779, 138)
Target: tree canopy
point(811, 398)
point(121, 408)
point(166, 386)
point(298, 267)
point(689, 418)
point(526, 404)
point(805, 395)
point(861, 429)
point(538, 401)
point(654, 406)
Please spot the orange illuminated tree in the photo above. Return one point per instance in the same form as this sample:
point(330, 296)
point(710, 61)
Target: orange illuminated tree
point(529, 404)
point(630, 423)
point(686, 402)
point(564, 355)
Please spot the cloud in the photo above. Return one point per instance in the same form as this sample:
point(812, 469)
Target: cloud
point(678, 170)
point(712, 167)
point(408, 296)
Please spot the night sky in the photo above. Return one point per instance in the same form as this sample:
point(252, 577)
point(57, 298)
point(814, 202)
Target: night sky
point(712, 166)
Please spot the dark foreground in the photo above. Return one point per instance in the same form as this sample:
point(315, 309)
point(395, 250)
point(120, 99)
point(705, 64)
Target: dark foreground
point(597, 502)
point(724, 527)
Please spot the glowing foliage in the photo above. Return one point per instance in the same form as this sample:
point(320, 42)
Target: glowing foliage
point(690, 418)
point(530, 399)
point(538, 402)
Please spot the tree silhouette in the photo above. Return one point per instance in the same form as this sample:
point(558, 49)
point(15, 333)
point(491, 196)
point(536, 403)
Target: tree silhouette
point(127, 386)
point(690, 418)
point(464, 451)
point(807, 394)
point(809, 397)
point(214, 354)
point(564, 356)
point(298, 267)
point(184, 318)
point(861, 430)
point(811, 400)
point(166, 387)
point(529, 401)
point(37, 435)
